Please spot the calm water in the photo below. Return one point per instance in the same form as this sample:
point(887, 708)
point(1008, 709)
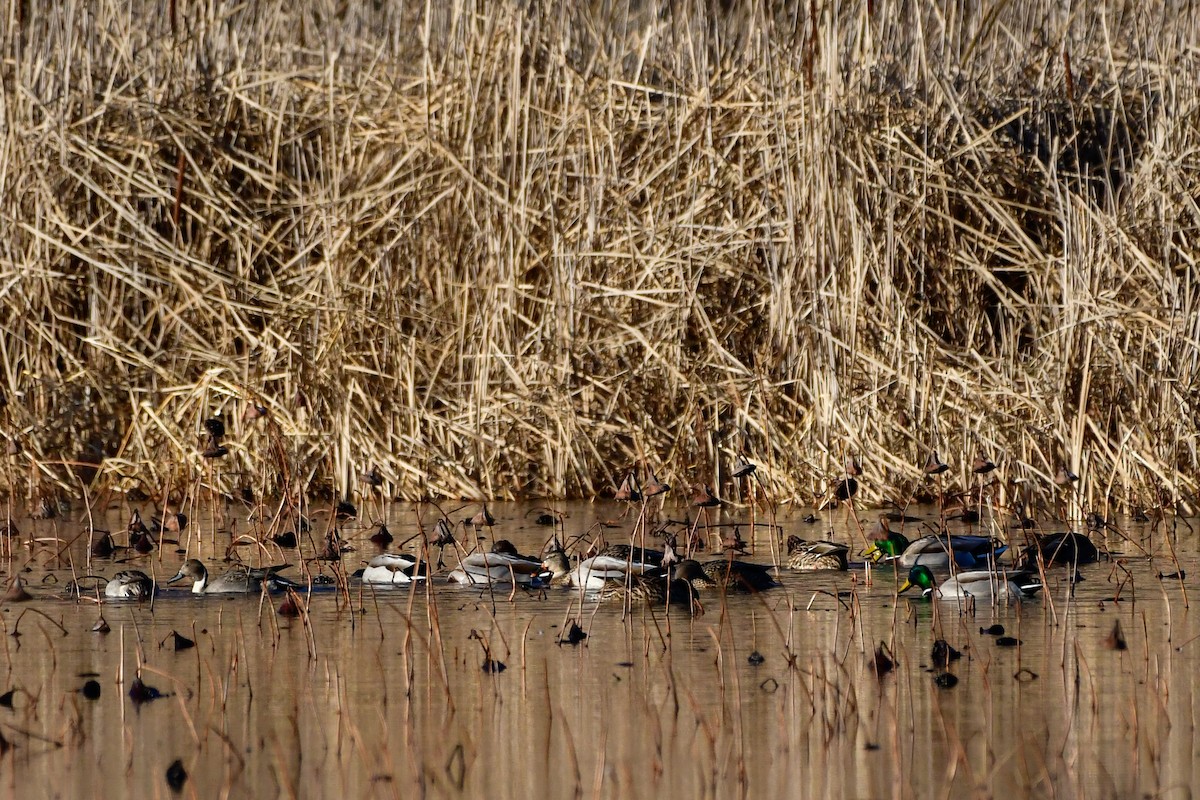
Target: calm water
point(381, 692)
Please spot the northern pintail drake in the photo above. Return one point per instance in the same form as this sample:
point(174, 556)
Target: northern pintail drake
point(484, 568)
point(979, 584)
point(239, 580)
point(627, 552)
point(811, 556)
point(1060, 548)
point(130, 583)
point(727, 575)
point(394, 568)
point(593, 573)
point(969, 552)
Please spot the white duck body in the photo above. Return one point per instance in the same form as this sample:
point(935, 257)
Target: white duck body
point(391, 568)
point(480, 569)
point(132, 584)
point(593, 573)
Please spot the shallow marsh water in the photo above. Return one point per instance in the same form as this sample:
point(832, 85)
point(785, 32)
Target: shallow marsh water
point(380, 692)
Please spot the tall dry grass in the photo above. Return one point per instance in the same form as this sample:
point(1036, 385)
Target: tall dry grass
point(505, 248)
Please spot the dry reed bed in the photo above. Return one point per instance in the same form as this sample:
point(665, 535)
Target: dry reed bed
point(504, 249)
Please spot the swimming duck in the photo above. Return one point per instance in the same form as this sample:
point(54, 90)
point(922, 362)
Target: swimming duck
point(394, 568)
point(130, 583)
point(653, 588)
point(979, 584)
point(934, 550)
point(593, 573)
point(1060, 548)
point(239, 580)
point(557, 564)
point(810, 556)
point(629, 553)
point(485, 568)
point(725, 574)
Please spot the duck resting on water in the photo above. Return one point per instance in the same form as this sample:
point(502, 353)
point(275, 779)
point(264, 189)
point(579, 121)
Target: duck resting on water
point(807, 555)
point(502, 565)
point(394, 568)
point(240, 579)
point(979, 585)
point(934, 550)
point(131, 584)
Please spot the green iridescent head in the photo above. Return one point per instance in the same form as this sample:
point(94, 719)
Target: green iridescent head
point(921, 577)
point(891, 547)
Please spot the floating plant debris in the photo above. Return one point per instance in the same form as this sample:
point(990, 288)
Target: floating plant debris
point(176, 775)
point(1116, 639)
point(181, 642)
point(91, 689)
point(382, 536)
point(574, 634)
point(16, 592)
point(140, 692)
point(285, 539)
point(946, 680)
point(883, 663)
point(943, 654)
point(483, 518)
point(1007, 641)
point(756, 658)
point(290, 607)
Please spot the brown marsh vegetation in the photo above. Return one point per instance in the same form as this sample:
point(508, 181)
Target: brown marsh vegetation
point(498, 248)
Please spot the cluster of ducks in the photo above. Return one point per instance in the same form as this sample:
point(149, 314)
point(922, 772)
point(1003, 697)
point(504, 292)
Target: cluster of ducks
point(137, 585)
point(973, 563)
point(617, 571)
point(970, 563)
point(623, 571)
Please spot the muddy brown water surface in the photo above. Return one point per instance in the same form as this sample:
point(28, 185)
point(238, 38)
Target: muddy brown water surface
point(380, 691)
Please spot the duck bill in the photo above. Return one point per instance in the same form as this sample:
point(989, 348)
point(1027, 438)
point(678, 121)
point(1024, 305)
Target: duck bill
point(873, 553)
point(905, 587)
point(178, 576)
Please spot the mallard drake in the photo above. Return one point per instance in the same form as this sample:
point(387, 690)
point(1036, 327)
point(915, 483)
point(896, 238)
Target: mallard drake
point(978, 584)
point(934, 551)
point(130, 583)
point(484, 568)
point(393, 568)
point(1059, 548)
point(239, 580)
point(810, 556)
point(727, 575)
